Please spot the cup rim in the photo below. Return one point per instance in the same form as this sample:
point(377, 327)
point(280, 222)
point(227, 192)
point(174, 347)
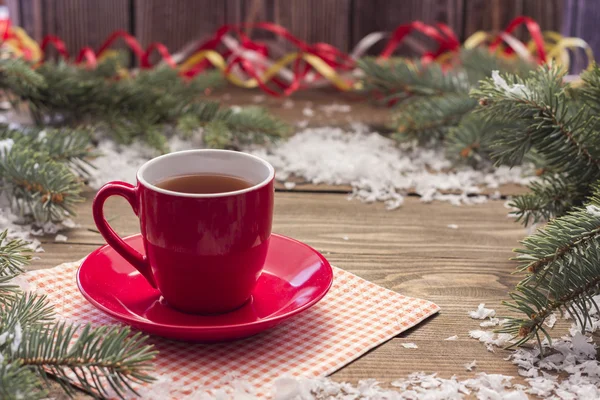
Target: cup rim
point(147, 164)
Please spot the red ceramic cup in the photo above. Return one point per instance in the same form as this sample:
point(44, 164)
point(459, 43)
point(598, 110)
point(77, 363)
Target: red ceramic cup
point(204, 252)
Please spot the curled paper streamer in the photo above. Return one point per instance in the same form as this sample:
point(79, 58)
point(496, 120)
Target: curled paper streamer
point(248, 64)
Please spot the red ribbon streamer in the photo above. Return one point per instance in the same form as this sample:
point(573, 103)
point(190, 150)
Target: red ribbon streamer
point(444, 36)
point(534, 31)
point(441, 33)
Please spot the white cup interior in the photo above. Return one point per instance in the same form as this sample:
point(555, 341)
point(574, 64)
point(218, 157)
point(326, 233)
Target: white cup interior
point(222, 162)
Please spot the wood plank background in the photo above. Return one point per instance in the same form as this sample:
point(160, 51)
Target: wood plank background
point(341, 23)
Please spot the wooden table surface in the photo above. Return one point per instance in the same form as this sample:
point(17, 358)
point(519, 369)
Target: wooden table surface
point(410, 250)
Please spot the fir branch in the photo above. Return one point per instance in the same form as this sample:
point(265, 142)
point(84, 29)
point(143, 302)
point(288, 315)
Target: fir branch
point(25, 310)
point(95, 359)
point(397, 82)
point(551, 197)
point(64, 145)
point(203, 112)
point(560, 134)
point(253, 125)
point(468, 142)
point(18, 78)
point(545, 119)
point(430, 118)
point(562, 267)
point(18, 382)
point(590, 90)
point(431, 100)
point(479, 63)
point(143, 106)
point(14, 254)
point(7, 288)
point(40, 186)
point(217, 135)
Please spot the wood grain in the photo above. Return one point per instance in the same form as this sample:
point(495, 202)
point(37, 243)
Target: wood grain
point(176, 23)
point(316, 20)
point(341, 23)
point(410, 250)
point(83, 23)
point(494, 15)
point(310, 20)
point(580, 19)
point(292, 109)
point(28, 14)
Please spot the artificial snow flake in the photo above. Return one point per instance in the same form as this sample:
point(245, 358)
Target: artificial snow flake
point(550, 321)
point(333, 108)
point(490, 322)
point(22, 282)
point(410, 346)
point(593, 210)
point(308, 112)
point(482, 312)
point(60, 238)
point(490, 339)
point(471, 365)
point(17, 337)
point(6, 145)
point(345, 237)
point(289, 185)
point(518, 90)
point(16, 230)
point(455, 337)
point(68, 223)
point(285, 388)
point(288, 104)
point(452, 226)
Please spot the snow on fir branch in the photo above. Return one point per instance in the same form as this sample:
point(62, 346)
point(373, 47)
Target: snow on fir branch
point(549, 118)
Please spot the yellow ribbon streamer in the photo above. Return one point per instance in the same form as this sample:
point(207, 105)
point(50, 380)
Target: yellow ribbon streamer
point(217, 61)
point(25, 41)
point(555, 45)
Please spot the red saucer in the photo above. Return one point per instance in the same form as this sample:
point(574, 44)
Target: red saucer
point(295, 277)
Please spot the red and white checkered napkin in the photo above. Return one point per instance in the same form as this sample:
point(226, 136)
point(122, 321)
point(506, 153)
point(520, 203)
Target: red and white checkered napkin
point(355, 316)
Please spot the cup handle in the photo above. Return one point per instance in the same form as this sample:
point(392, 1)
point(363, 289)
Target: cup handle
point(129, 193)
